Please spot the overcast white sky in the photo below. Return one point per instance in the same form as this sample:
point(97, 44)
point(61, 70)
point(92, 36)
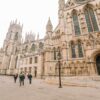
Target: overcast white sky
point(33, 14)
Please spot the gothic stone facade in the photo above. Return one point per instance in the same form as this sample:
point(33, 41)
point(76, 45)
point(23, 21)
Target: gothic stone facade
point(77, 37)
point(17, 56)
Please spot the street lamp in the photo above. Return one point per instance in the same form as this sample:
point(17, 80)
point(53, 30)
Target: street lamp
point(59, 65)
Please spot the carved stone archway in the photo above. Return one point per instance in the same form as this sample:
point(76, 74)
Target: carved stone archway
point(95, 57)
point(98, 63)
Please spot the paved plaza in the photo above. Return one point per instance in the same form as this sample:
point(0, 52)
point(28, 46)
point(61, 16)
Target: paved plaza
point(39, 90)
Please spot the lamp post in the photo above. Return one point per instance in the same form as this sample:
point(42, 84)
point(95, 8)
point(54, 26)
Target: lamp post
point(59, 67)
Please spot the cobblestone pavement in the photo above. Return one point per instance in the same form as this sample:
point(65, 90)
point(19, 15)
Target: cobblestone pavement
point(39, 90)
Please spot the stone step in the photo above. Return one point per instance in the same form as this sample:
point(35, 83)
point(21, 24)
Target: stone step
point(96, 78)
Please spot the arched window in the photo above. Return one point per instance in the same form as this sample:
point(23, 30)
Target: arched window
point(91, 20)
point(73, 50)
point(80, 51)
point(30, 60)
point(54, 53)
point(76, 23)
point(36, 60)
point(41, 45)
point(33, 47)
point(26, 48)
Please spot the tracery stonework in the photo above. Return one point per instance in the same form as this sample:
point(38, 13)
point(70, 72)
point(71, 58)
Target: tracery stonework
point(77, 36)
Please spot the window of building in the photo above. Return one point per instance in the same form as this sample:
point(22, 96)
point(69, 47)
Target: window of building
point(33, 47)
point(80, 51)
point(30, 60)
point(76, 23)
point(30, 69)
point(36, 59)
point(73, 50)
point(41, 45)
point(91, 20)
point(26, 61)
point(26, 48)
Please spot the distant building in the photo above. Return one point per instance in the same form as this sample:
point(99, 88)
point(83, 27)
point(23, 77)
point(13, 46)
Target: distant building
point(17, 56)
point(77, 36)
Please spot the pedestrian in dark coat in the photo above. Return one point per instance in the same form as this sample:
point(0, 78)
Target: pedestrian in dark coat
point(21, 78)
point(15, 77)
point(30, 78)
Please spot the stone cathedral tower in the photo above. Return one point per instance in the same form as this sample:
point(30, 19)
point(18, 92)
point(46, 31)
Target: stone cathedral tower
point(13, 39)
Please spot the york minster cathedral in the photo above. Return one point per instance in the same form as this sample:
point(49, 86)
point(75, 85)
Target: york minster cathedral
point(76, 37)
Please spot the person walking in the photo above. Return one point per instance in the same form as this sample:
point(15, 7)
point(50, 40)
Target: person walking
point(15, 77)
point(30, 78)
point(21, 78)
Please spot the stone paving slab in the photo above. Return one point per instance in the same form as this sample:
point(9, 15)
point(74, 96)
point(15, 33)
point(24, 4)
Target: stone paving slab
point(80, 81)
point(39, 90)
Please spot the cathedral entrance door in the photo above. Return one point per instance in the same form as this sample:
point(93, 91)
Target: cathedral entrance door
point(98, 63)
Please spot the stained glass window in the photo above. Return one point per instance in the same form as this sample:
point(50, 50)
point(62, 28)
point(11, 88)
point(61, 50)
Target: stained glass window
point(73, 50)
point(80, 51)
point(91, 20)
point(81, 1)
point(76, 23)
point(33, 47)
point(41, 45)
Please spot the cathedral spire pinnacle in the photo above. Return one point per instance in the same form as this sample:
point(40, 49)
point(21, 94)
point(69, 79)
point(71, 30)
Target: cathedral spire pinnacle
point(49, 26)
point(16, 21)
point(61, 4)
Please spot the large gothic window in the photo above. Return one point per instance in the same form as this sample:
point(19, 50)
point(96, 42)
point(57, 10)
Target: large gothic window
point(80, 51)
point(91, 20)
point(41, 45)
point(33, 47)
point(73, 50)
point(76, 23)
point(26, 48)
point(36, 60)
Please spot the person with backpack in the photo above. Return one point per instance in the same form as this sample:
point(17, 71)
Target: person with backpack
point(21, 78)
point(30, 78)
